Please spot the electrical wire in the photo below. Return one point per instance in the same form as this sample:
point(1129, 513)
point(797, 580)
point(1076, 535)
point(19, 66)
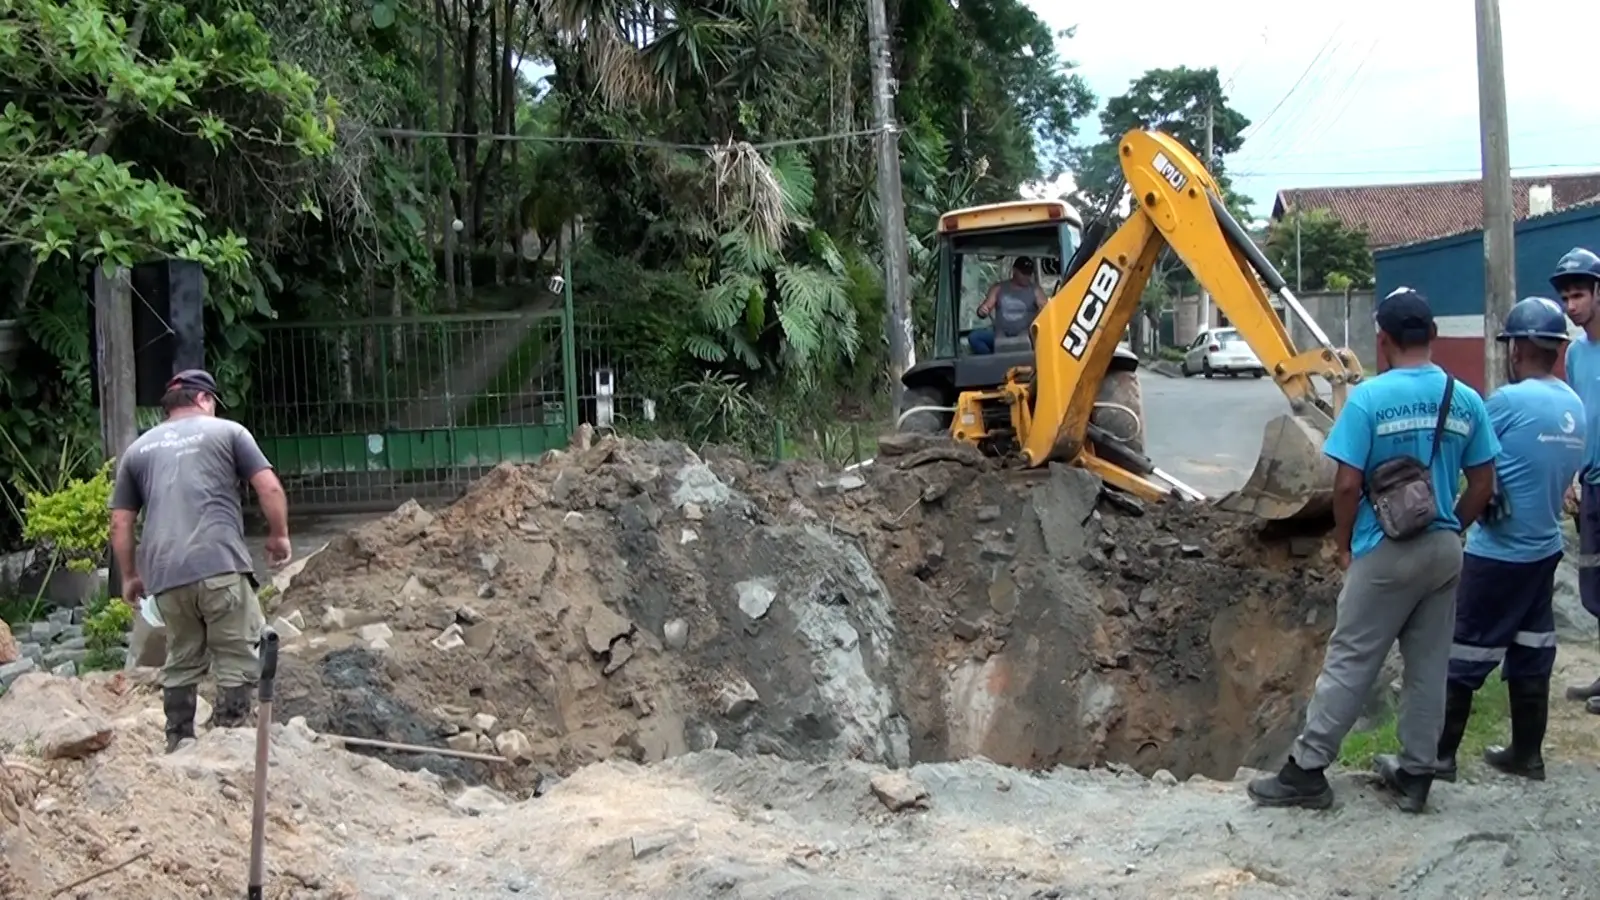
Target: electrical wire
point(620, 142)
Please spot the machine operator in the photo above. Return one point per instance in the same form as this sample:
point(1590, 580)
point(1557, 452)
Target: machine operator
point(1011, 304)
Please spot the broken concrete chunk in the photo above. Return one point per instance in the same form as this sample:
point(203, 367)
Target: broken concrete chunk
point(842, 484)
point(514, 745)
point(737, 697)
point(413, 589)
point(651, 844)
point(965, 630)
point(603, 629)
point(620, 653)
point(465, 741)
point(490, 563)
point(75, 737)
point(334, 619)
point(297, 619)
point(378, 646)
point(687, 536)
point(13, 670)
point(285, 629)
point(898, 791)
point(449, 639)
point(1191, 551)
point(68, 669)
point(755, 597)
point(466, 615)
point(676, 634)
point(484, 722)
point(377, 631)
point(693, 512)
point(987, 513)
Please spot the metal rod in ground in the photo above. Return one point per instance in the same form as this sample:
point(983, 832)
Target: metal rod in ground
point(414, 748)
point(258, 811)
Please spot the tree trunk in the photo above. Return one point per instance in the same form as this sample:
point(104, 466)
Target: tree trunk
point(445, 211)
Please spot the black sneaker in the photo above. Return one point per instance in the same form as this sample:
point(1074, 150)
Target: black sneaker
point(1292, 786)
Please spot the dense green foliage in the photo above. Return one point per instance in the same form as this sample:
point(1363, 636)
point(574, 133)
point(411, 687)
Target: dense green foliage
point(715, 178)
point(1335, 257)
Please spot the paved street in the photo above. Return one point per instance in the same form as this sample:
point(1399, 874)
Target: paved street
point(1208, 433)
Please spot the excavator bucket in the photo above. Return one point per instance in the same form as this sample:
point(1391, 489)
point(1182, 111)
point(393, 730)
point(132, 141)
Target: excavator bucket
point(1292, 479)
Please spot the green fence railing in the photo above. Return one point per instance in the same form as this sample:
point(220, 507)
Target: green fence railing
point(369, 412)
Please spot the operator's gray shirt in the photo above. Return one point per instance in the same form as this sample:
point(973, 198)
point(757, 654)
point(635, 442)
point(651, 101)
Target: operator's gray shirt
point(184, 475)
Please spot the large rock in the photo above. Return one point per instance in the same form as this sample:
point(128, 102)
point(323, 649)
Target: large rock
point(9, 652)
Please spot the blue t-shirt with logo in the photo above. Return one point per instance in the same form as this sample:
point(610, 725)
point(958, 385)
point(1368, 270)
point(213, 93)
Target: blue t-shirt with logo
point(1583, 373)
point(1541, 427)
point(1393, 415)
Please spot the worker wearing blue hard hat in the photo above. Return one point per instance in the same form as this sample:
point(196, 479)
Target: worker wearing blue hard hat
point(1577, 280)
point(1504, 603)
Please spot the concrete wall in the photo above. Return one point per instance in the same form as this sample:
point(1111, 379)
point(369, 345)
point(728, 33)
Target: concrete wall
point(1449, 272)
point(1345, 318)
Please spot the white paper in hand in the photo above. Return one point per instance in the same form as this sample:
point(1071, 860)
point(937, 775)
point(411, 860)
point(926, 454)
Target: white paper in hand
point(152, 615)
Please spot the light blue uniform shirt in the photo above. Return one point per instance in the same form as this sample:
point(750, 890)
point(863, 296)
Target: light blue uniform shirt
point(1583, 373)
point(1393, 415)
point(1541, 427)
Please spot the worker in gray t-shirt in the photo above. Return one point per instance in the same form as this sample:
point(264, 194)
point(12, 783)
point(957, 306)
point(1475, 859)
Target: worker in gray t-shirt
point(184, 476)
point(1011, 305)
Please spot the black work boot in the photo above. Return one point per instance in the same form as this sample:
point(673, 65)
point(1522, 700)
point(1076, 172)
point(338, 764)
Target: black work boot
point(1593, 706)
point(1457, 710)
point(1530, 713)
point(1292, 786)
point(1583, 693)
point(179, 705)
point(1410, 789)
point(232, 709)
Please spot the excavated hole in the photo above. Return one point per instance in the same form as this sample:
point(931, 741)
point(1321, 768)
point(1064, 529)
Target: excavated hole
point(921, 610)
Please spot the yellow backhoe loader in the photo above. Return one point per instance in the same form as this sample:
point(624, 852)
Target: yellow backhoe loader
point(1066, 390)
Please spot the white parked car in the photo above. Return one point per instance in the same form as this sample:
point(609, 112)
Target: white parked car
point(1221, 351)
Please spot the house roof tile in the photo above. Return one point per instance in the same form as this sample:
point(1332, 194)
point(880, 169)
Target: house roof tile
point(1407, 213)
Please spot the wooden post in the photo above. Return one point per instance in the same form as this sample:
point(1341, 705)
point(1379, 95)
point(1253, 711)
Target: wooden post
point(114, 351)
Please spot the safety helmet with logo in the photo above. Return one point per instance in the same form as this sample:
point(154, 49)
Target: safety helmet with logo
point(1538, 318)
point(1576, 263)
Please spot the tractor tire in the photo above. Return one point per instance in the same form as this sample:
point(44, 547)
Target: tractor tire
point(925, 421)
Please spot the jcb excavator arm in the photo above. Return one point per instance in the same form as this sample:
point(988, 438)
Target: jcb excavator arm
point(1177, 204)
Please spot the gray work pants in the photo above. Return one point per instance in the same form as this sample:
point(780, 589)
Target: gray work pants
point(1404, 591)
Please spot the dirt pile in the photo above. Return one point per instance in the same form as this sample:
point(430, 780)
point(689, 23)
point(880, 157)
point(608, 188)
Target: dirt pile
point(635, 600)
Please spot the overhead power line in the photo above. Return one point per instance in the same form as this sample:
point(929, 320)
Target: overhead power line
point(616, 142)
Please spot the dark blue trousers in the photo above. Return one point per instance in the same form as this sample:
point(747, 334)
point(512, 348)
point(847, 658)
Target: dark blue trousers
point(1504, 618)
point(1588, 545)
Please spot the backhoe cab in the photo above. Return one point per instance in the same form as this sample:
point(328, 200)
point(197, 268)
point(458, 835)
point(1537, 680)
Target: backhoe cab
point(1068, 391)
point(977, 247)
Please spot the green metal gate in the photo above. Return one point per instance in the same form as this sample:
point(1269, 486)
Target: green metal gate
point(365, 413)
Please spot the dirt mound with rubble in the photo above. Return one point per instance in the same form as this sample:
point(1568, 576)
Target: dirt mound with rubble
point(635, 600)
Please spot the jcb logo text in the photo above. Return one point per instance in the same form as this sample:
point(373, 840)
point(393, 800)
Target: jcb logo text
point(1092, 309)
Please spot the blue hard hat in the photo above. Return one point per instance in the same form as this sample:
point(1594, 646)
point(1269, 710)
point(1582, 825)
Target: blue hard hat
point(1577, 263)
point(1535, 317)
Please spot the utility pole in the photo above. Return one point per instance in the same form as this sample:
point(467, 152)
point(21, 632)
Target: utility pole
point(1299, 270)
point(891, 207)
point(1499, 223)
point(1211, 154)
point(114, 351)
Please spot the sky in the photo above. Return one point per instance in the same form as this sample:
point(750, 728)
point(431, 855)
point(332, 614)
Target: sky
point(1357, 91)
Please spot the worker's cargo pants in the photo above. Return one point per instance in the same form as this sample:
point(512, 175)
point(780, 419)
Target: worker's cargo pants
point(214, 623)
point(1403, 590)
point(1588, 545)
point(1504, 617)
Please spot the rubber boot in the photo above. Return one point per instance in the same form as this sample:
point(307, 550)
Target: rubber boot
point(232, 709)
point(1530, 713)
point(1410, 789)
point(179, 704)
point(1292, 786)
point(1583, 693)
point(1457, 710)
